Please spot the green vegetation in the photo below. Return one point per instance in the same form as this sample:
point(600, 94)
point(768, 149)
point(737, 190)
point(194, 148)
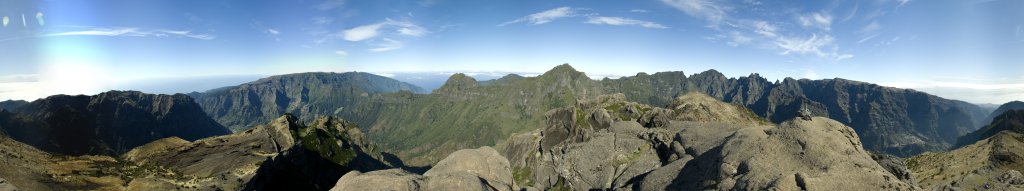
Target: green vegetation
point(523, 176)
point(323, 138)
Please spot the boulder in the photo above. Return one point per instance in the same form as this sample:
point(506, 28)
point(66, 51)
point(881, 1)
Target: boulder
point(818, 154)
point(393, 179)
point(484, 162)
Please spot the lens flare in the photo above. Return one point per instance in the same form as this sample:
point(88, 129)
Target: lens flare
point(39, 18)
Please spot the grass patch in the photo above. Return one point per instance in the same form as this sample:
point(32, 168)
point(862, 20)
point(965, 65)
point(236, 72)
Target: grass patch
point(523, 176)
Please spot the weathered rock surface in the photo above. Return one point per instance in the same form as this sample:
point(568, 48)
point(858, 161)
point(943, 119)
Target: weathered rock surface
point(468, 169)
point(702, 144)
point(820, 154)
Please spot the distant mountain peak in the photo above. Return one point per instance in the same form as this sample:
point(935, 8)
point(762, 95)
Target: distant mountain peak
point(458, 81)
point(563, 69)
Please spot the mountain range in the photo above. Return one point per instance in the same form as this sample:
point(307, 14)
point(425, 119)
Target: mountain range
point(108, 123)
point(560, 130)
point(465, 113)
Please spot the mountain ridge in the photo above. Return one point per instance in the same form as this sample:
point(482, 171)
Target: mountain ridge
point(421, 125)
point(108, 123)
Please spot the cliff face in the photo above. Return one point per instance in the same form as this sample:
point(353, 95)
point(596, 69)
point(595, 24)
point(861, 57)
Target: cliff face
point(304, 94)
point(108, 123)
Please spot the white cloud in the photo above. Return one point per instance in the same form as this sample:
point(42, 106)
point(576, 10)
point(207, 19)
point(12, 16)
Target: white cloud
point(711, 10)
point(361, 33)
point(818, 20)
point(341, 52)
point(638, 11)
point(544, 16)
point(619, 21)
point(329, 4)
point(975, 91)
point(273, 32)
point(135, 32)
point(365, 32)
point(871, 27)
point(812, 45)
point(387, 45)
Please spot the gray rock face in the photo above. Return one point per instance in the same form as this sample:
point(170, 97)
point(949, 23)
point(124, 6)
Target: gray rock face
point(820, 154)
point(896, 166)
point(467, 169)
point(484, 162)
point(393, 179)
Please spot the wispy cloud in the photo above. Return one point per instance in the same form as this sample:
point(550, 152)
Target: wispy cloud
point(365, 32)
point(341, 52)
point(638, 11)
point(544, 16)
point(819, 20)
point(811, 45)
point(808, 33)
point(387, 44)
point(273, 32)
point(713, 11)
point(902, 2)
point(619, 21)
point(134, 32)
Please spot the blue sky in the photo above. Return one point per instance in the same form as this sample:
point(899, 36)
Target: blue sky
point(971, 50)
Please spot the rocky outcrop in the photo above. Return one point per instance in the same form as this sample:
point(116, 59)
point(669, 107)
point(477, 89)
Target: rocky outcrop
point(109, 123)
point(283, 154)
point(704, 144)
point(468, 169)
point(820, 154)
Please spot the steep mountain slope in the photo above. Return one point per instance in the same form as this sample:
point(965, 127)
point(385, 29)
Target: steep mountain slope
point(1013, 105)
point(109, 123)
point(993, 163)
point(1009, 120)
point(303, 94)
point(423, 128)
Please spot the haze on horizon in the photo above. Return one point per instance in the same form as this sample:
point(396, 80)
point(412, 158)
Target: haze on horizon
point(967, 50)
